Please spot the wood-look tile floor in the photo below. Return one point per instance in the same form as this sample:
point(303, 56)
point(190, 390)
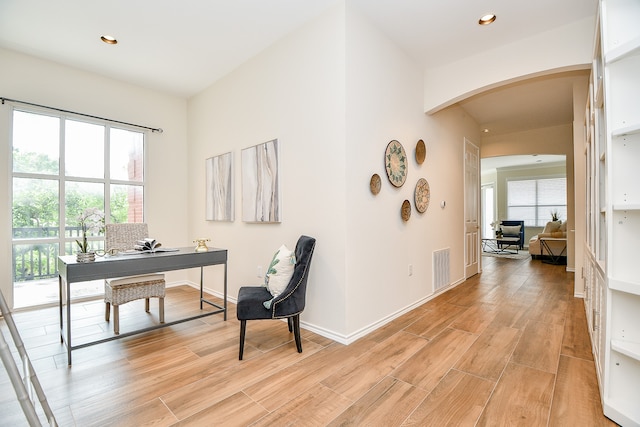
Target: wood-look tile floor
point(507, 347)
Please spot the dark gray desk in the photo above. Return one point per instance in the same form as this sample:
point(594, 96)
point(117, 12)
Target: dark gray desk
point(70, 271)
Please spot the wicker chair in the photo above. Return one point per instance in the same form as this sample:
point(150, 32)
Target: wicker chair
point(118, 291)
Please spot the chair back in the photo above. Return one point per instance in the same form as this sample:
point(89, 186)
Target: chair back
point(123, 236)
point(292, 300)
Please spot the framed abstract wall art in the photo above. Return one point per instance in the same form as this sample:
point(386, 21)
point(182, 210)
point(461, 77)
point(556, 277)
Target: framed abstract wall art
point(261, 183)
point(219, 188)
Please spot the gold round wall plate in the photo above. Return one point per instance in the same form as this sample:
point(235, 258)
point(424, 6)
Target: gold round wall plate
point(375, 184)
point(422, 195)
point(405, 211)
point(395, 163)
point(421, 152)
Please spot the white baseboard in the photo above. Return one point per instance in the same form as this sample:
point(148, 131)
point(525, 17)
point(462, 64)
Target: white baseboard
point(332, 335)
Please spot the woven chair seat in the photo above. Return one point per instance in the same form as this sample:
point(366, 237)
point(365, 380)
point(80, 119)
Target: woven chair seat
point(121, 291)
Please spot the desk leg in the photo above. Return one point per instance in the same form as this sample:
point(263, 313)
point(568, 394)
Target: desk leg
point(60, 306)
point(68, 323)
point(201, 286)
point(225, 291)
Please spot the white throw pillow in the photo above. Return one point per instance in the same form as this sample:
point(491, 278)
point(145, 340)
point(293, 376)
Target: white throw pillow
point(510, 230)
point(280, 270)
point(552, 226)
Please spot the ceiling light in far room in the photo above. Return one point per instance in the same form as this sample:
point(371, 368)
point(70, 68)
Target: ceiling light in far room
point(487, 19)
point(485, 130)
point(109, 39)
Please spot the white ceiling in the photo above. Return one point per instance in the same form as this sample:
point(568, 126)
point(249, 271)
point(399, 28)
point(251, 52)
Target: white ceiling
point(490, 164)
point(183, 47)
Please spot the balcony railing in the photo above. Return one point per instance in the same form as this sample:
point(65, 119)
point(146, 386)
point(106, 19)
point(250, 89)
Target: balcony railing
point(36, 261)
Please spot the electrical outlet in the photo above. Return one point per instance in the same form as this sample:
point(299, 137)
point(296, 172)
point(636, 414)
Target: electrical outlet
point(410, 269)
point(259, 272)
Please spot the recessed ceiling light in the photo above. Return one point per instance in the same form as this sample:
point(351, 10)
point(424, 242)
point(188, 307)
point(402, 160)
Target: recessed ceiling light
point(485, 130)
point(487, 19)
point(109, 39)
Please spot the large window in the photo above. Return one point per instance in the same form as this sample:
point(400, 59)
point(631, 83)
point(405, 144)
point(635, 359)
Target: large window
point(61, 166)
point(534, 200)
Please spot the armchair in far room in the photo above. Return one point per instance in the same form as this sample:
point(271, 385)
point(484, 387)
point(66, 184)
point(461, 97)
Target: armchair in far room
point(513, 228)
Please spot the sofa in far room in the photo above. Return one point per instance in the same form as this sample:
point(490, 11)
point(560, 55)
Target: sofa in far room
point(555, 230)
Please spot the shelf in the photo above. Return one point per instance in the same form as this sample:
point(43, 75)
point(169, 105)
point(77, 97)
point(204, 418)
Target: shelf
point(629, 349)
point(626, 207)
point(623, 286)
point(629, 48)
point(627, 130)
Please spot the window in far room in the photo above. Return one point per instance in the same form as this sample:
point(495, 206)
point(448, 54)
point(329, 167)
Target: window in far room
point(61, 166)
point(534, 200)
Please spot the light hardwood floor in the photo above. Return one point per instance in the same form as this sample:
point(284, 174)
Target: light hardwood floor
point(507, 347)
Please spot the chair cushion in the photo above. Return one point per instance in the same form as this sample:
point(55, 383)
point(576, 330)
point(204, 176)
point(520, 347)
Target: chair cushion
point(118, 281)
point(249, 305)
point(551, 227)
point(280, 270)
point(510, 230)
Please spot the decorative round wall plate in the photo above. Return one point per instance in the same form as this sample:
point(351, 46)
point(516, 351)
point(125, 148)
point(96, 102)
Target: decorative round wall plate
point(405, 211)
point(421, 152)
point(422, 195)
point(395, 162)
point(375, 184)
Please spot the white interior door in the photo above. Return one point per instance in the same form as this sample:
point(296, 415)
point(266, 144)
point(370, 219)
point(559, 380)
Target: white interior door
point(471, 208)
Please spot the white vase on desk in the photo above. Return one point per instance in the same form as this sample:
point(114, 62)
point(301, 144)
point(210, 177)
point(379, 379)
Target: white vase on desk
point(85, 256)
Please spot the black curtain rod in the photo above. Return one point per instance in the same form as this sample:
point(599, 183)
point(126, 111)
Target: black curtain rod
point(158, 130)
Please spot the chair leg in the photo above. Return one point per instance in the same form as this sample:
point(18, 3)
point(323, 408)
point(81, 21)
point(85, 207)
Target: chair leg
point(107, 311)
point(243, 329)
point(116, 319)
point(290, 323)
point(161, 309)
point(296, 332)
point(146, 305)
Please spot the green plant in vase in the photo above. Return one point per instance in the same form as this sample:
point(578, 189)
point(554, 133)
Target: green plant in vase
point(91, 221)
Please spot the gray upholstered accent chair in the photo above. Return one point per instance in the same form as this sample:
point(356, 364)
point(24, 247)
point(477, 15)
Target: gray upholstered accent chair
point(121, 290)
point(288, 305)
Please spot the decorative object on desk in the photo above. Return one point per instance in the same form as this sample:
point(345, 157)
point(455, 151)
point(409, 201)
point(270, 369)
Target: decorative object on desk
point(91, 221)
point(147, 245)
point(85, 256)
point(395, 163)
point(422, 195)
point(201, 246)
point(261, 183)
point(421, 152)
point(405, 211)
point(219, 195)
point(375, 183)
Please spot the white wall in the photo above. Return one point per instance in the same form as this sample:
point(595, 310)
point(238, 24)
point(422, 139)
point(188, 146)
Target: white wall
point(42, 82)
point(566, 48)
point(334, 119)
point(293, 91)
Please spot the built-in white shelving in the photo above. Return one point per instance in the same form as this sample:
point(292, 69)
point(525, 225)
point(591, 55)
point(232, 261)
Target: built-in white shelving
point(612, 147)
point(630, 349)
